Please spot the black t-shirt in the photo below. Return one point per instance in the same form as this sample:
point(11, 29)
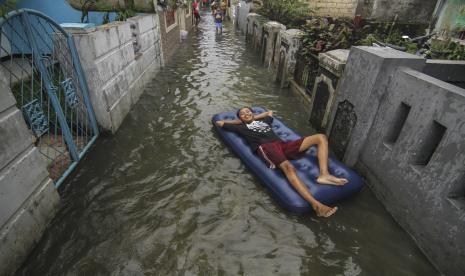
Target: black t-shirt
point(256, 133)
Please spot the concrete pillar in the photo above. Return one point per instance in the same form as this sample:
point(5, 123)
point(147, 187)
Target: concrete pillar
point(242, 11)
point(257, 32)
point(271, 31)
point(250, 27)
point(290, 43)
point(324, 90)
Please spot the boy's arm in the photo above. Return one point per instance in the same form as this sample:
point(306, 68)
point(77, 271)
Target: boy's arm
point(237, 121)
point(264, 115)
point(231, 122)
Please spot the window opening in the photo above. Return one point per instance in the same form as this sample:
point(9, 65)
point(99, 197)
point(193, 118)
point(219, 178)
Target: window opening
point(398, 123)
point(429, 144)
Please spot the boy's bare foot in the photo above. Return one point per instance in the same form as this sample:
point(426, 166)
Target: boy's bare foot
point(331, 180)
point(325, 211)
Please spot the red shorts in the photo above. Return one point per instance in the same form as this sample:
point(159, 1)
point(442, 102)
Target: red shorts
point(277, 152)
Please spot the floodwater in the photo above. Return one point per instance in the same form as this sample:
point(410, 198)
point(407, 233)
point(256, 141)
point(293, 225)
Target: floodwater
point(165, 196)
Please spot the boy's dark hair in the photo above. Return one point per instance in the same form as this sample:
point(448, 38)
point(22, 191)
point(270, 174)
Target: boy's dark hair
point(239, 110)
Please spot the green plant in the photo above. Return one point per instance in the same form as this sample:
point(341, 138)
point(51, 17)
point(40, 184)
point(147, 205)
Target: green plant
point(87, 5)
point(106, 18)
point(124, 14)
point(324, 34)
point(127, 12)
point(7, 6)
point(446, 50)
point(458, 52)
point(387, 33)
point(291, 13)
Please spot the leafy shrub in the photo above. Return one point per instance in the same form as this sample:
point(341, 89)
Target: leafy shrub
point(325, 34)
point(446, 50)
point(387, 34)
point(7, 6)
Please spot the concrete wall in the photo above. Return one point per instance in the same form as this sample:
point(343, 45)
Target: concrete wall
point(415, 11)
point(408, 140)
point(185, 18)
point(452, 71)
point(276, 46)
point(363, 84)
point(118, 59)
point(419, 11)
point(280, 53)
point(242, 11)
point(28, 199)
point(252, 25)
point(419, 177)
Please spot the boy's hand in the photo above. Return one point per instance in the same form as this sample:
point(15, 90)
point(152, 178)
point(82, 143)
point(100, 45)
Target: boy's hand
point(270, 113)
point(220, 123)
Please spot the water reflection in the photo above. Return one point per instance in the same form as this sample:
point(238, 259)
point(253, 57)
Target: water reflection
point(165, 196)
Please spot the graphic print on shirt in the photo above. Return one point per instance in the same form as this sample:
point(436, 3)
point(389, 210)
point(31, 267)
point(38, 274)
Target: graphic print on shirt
point(259, 126)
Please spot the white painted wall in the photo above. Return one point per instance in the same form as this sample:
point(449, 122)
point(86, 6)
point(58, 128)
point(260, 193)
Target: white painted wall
point(115, 74)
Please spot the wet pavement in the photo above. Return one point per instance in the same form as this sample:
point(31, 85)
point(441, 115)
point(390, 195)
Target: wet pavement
point(165, 196)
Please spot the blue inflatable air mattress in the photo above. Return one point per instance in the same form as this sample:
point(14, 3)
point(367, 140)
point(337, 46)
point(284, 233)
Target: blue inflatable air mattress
point(307, 169)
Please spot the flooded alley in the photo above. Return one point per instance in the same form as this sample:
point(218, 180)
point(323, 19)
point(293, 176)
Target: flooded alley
point(165, 196)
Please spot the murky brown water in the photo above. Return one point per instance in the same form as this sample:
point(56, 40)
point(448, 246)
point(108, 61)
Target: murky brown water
point(165, 196)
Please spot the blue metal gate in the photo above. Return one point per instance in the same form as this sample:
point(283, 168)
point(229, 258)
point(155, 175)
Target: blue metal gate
point(40, 62)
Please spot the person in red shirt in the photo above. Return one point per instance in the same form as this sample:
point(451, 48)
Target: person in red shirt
point(195, 8)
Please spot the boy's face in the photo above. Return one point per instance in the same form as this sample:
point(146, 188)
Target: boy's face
point(246, 115)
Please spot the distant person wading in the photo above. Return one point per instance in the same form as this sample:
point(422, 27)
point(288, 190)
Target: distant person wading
point(195, 8)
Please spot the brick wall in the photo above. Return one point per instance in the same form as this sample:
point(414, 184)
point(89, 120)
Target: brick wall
point(169, 39)
point(333, 8)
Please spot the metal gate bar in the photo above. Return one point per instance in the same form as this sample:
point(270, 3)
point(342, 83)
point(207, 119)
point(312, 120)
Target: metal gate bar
point(46, 78)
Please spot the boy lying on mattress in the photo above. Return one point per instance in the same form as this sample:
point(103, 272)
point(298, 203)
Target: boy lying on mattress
point(256, 129)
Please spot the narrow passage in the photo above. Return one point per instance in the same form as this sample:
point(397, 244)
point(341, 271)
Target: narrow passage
point(165, 196)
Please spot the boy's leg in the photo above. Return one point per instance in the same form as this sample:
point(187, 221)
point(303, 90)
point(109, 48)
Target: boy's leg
point(322, 146)
point(273, 153)
point(320, 209)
